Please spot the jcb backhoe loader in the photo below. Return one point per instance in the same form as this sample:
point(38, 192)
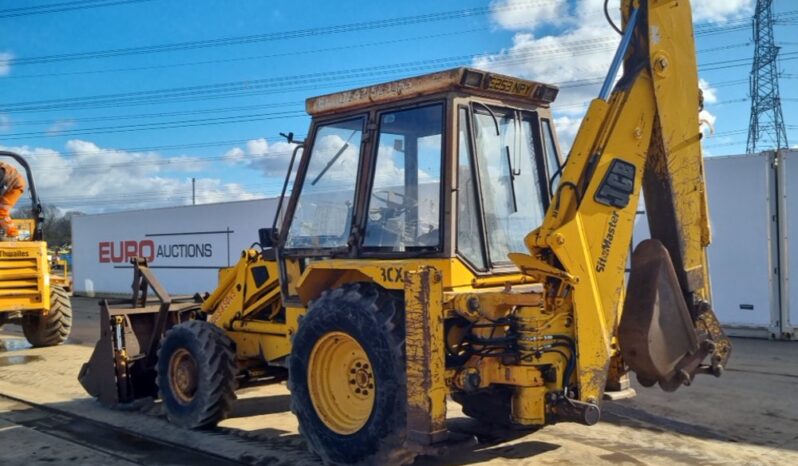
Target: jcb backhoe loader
point(434, 246)
point(30, 295)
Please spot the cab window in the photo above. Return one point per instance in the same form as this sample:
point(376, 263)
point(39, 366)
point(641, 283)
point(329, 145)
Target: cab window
point(323, 214)
point(510, 179)
point(404, 203)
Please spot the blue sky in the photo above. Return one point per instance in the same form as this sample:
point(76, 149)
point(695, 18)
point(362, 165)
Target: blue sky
point(222, 106)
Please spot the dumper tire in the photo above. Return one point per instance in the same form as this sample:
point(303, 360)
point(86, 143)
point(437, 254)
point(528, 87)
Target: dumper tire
point(374, 319)
point(200, 351)
point(52, 328)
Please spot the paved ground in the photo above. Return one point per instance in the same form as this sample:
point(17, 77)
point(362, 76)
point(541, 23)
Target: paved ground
point(747, 417)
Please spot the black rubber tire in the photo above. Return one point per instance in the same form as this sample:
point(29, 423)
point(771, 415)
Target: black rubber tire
point(492, 406)
point(51, 329)
point(375, 318)
point(215, 359)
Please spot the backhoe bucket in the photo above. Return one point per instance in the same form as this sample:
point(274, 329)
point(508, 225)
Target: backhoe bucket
point(659, 338)
point(122, 367)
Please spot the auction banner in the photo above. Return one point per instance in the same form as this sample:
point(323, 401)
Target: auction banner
point(185, 246)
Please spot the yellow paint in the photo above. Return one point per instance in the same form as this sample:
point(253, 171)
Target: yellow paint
point(341, 383)
point(424, 346)
point(24, 276)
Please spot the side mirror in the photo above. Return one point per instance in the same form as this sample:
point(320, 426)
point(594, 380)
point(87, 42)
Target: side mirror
point(266, 237)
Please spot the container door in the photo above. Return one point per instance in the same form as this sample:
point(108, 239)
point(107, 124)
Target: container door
point(743, 256)
point(788, 246)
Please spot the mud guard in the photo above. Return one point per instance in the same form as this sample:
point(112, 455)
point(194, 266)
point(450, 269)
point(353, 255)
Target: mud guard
point(658, 337)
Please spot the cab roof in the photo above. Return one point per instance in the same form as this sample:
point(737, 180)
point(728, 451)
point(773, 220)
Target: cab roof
point(468, 80)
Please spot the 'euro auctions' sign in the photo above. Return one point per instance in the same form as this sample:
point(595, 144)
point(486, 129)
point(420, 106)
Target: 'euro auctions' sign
point(185, 246)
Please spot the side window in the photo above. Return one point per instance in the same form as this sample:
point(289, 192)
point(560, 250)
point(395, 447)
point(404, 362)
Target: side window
point(323, 214)
point(552, 158)
point(469, 243)
point(404, 206)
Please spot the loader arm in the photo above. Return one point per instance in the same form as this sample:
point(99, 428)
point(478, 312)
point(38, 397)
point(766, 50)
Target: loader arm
point(644, 135)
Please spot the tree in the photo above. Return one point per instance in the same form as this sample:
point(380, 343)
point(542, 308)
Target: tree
point(57, 226)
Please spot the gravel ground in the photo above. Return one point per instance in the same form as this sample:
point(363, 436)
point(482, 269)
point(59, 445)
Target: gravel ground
point(747, 417)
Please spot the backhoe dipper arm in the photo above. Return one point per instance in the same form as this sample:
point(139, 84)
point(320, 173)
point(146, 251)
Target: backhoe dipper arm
point(645, 134)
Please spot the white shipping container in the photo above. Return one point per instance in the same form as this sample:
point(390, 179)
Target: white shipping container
point(186, 246)
point(743, 256)
point(788, 248)
point(742, 260)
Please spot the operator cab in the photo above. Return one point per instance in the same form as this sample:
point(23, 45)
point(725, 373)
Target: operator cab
point(458, 163)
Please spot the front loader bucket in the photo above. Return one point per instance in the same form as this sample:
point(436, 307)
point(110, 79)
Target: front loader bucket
point(122, 367)
point(659, 338)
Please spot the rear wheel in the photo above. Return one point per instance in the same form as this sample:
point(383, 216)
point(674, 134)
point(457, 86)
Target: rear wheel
point(347, 375)
point(196, 374)
point(54, 327)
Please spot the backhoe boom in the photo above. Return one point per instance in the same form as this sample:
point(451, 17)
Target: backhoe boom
point(644, 135)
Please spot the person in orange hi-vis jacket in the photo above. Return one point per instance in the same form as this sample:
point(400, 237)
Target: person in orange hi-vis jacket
point(12, 185)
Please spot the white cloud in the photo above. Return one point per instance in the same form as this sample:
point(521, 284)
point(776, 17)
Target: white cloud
point(566, 132)
point(60, 126)
point(582, 49)
point(707, 121)
point(519, 14)
point(710, 93)
point(95, 179)
point(5, 63)
point(257, 146)
point(234, 155)
point(271, 159)
point(719, 11)
point(572, 45)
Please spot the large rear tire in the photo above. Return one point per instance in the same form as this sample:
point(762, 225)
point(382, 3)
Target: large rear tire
point(347, 375)
point(196, 374)
point(52, 328)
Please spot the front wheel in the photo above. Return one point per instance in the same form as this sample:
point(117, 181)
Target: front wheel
point(196, 374)
point(347, 374)
point(54, 327)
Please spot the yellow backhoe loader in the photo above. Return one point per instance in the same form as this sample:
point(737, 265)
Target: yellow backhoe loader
point(434, 246)
point(30, 295)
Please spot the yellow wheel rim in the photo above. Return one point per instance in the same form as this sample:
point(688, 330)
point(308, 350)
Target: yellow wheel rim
point(183, 375)
point(341, 383)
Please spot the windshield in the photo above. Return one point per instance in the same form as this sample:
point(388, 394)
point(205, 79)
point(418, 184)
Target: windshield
point(508, 170)
point(323, 214)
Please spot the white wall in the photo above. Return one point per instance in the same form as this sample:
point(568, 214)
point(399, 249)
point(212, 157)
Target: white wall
point(187, 245)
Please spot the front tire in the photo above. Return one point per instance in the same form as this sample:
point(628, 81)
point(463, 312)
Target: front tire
point(347, 374)
point(54, 327)
point(196, 374)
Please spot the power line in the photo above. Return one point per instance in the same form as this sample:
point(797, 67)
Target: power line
point(234, 88)
point(158, 126)
point(62, 7)
point(275, 36)
point(239, 118)
point(128, 116)
point(292, 53)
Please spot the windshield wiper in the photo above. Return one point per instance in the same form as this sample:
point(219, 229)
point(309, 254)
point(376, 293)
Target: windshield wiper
point(332, 160)
point(512, 178)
